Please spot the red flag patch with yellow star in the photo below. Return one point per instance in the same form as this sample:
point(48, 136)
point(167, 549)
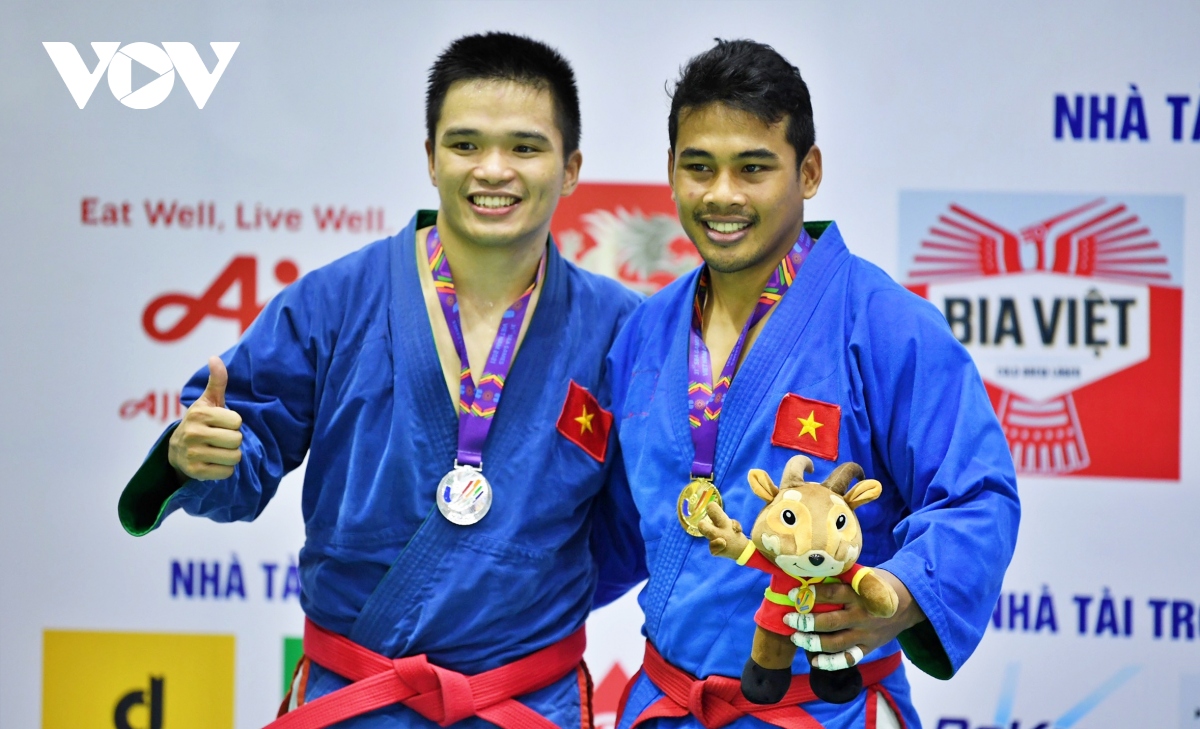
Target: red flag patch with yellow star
point(809, 426)
point(584, 423)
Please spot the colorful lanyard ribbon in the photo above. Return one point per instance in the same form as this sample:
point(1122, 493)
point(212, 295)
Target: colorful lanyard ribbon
point(477, 403)
point(706, 398)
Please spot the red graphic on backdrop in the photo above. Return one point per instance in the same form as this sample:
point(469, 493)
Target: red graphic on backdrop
point(627, 231)
point(1094, 239)
point(1078, 297)
point(607, 697)
point(241, 272)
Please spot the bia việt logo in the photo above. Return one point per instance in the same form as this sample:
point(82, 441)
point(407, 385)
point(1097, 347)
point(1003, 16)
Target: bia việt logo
point(136, 680)
point(162, 62)
point(1071, 306)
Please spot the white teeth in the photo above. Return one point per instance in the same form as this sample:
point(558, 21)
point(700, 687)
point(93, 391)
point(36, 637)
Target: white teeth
point(493, 201)
point(726, 227)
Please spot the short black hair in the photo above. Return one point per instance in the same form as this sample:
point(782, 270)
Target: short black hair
point(506, 57)
point(752, 77)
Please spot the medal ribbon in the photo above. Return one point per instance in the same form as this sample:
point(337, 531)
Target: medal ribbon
point(477, 403)
point(705, 397)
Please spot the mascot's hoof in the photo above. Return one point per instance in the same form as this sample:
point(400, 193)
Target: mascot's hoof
point(836, 687)
point(765, 685)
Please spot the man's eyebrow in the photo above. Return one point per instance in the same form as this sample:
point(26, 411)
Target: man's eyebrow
point(532, 136)
point(760, 153)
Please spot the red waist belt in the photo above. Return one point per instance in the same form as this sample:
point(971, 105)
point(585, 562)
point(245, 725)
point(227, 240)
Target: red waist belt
point(717, 700)
point(438, 694)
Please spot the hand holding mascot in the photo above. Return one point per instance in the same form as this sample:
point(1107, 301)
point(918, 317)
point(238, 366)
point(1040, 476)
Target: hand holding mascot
point(806, 534)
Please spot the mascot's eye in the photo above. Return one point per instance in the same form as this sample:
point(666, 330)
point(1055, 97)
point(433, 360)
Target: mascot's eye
point(841, 521)
point(788, 517)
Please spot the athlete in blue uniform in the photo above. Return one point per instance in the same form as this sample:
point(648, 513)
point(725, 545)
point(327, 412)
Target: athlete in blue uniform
point(785, 343)
point(442, 526)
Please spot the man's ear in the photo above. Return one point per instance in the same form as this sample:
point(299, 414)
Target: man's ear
point(429, 157)
point(571, 172)
point(864, 492)
point(810, 172)
point(671, 170)
point(762, 485)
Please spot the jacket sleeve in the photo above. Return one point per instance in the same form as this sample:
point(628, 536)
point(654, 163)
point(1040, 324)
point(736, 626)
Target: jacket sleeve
point(617, 545)
point(934, 427)
point(272, 384)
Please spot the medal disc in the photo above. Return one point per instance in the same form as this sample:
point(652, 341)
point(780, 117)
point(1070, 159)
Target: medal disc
point(464, 495)
point(693, 504)
point(805, 600)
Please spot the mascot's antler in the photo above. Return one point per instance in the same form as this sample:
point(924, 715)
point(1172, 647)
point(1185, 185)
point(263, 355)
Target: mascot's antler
point(793, 472)
point(840, 479)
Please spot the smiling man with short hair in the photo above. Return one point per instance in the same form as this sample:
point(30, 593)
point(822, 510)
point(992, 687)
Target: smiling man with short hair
point(450, 557)
point(784, 343)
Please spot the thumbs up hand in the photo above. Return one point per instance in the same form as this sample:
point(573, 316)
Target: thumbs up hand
point(218, 380)
point(207, 444)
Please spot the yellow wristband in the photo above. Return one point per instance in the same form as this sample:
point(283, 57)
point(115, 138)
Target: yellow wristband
point(859, 578)
point(746, 553)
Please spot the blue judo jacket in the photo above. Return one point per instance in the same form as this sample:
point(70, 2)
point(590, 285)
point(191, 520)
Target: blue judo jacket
point(913, 413)
point(341, 366)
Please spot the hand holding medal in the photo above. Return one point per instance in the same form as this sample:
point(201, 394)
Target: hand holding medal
point(692, 508)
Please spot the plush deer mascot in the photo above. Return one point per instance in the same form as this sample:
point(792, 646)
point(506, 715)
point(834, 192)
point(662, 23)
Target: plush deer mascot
point(806, 534)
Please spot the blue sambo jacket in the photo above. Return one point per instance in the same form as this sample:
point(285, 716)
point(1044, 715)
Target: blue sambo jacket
point(341, 366)
point(913, 413)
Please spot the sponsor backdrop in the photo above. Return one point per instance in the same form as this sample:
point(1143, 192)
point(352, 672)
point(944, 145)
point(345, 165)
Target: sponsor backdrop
point(1031, 169)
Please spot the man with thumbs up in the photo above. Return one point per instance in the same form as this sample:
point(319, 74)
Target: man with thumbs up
point(207, 445)
point(451, 542)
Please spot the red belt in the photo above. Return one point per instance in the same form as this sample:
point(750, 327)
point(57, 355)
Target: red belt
point(438, 694)
point(717, 700)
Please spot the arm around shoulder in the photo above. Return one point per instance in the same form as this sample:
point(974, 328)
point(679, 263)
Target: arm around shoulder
point(617, 545)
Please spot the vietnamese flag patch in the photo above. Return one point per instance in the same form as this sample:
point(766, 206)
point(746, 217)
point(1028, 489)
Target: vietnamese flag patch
point(584, 422)
point(810, 426)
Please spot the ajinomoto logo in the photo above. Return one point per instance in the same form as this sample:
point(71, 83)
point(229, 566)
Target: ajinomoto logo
point(1071, 306)
point(240, 273)
point(160, 62)
point(629, 232)
point(136, 681)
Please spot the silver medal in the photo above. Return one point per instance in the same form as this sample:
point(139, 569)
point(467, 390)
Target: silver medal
point(464, 495)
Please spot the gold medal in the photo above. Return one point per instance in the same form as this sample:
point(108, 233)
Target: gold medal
point(693, 503)
point(805, 599)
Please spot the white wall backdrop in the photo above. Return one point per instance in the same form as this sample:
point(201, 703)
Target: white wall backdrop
point(919, 106)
